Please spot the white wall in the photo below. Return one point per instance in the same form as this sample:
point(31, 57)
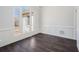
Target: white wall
point(5, 25)
point(36, 11)
point(7, 34)
point(56, 20)
point(5, 17)
point(77, 23)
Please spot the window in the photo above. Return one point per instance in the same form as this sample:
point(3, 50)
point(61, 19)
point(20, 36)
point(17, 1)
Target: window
point(16, 16)
point(23, 18)
point(27, 21)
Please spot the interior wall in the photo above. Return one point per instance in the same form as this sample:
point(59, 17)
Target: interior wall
point(37, 19)
point(58, 21)
point(77, 23)
point(7, 34)
point(4, 16)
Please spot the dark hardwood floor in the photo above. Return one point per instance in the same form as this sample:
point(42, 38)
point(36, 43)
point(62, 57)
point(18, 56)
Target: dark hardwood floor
point(42, 43)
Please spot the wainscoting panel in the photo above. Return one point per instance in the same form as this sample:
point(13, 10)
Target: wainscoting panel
point(62, 31)
point(8, 36)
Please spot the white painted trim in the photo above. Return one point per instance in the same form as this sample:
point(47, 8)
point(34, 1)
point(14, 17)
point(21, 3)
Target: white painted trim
point(5, 29)
point(20, 37)
point(59, 26)
point(58, 35)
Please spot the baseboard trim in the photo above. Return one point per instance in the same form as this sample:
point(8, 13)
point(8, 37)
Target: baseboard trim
point(57, 36)
point(16, 40)
point(5, 29)
point(34, 35)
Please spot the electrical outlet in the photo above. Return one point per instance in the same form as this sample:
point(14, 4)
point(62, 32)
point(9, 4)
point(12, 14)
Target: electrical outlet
point(61, 32)
point(0, 40)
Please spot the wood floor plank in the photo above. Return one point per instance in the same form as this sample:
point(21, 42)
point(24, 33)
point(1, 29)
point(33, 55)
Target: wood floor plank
point(42, 43)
